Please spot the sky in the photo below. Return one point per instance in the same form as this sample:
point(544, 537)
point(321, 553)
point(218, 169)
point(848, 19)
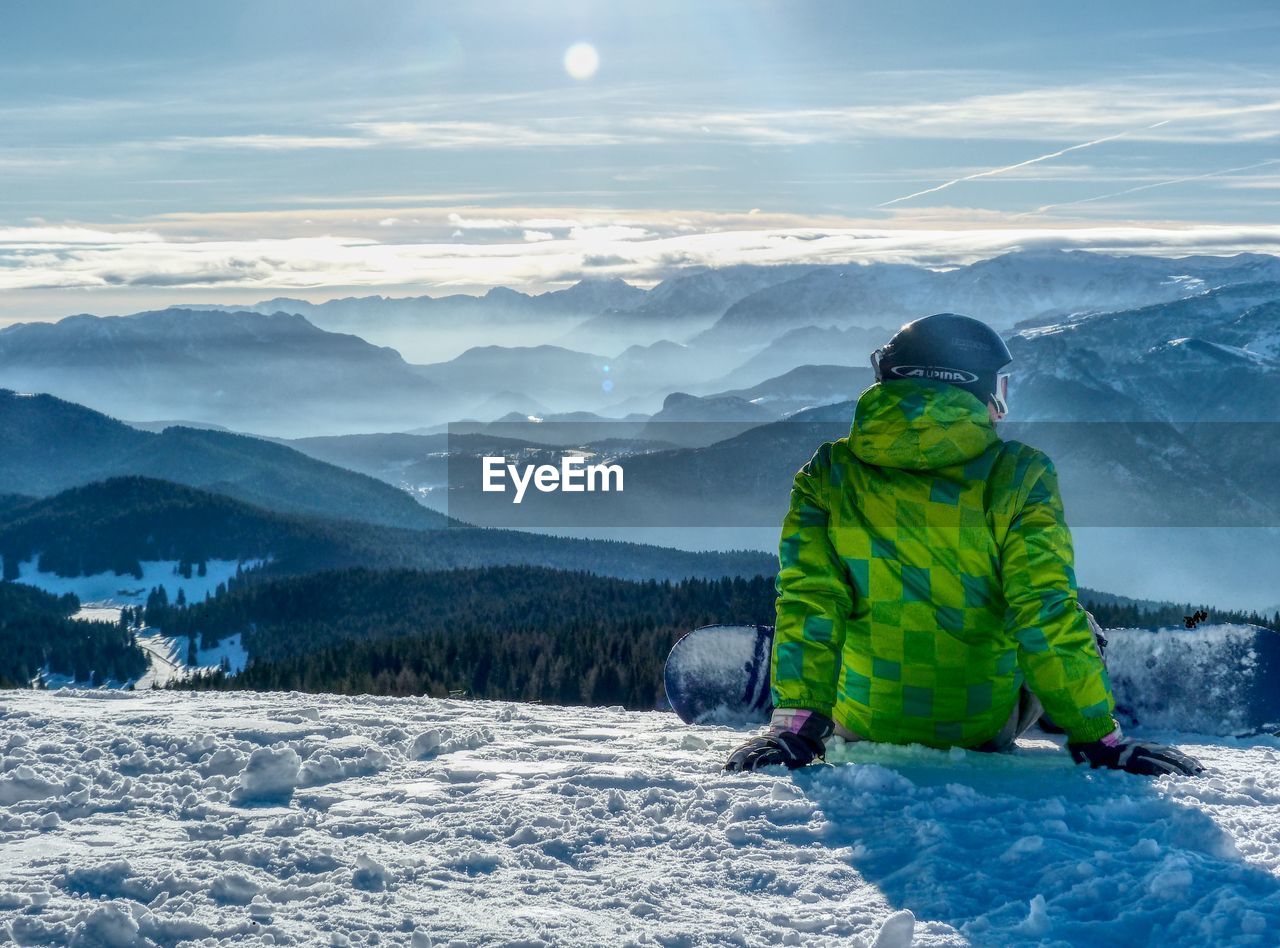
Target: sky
point(153, 153)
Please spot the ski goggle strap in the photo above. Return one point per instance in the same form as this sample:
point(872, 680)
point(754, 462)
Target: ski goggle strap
point(1000, 397)
point(875, 363)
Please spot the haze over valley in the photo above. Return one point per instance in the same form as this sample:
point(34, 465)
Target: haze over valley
point(1151, 381)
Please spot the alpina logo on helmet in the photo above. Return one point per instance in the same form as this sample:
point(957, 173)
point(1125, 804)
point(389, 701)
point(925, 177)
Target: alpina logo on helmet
point(938, 372)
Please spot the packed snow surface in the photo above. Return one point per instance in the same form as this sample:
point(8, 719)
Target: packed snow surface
point(167, 818)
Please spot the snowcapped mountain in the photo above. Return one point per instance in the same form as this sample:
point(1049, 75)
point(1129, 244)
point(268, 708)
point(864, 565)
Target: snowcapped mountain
point(279, 374)
point(1017, 286)
point(859, 296)
point(1210, 357)
point(592, 295)
point(431, 329)
point(758, 303)
point(1014, 287)
point(500, 303)
point(677, 308)
point(151, 819)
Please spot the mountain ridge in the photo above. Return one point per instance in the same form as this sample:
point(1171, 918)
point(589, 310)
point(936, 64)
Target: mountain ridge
point(53, 445)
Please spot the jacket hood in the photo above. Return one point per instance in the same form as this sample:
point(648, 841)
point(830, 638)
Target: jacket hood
point(919, 425)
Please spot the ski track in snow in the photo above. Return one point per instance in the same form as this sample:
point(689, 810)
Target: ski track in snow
point(164, 818)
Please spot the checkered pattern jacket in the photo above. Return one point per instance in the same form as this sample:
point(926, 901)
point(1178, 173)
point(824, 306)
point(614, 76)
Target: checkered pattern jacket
point(925, 574)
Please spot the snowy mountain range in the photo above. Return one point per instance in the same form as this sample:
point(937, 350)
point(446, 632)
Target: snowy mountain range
point(267, 374)
point(434, 329)
point(1210, 357)
point(279, 374)
point(1201, 349)
point(1000, 291)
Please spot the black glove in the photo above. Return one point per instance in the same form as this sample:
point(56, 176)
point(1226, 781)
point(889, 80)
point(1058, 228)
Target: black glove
point(794, 739)
point(1136, 757)
point(790, 750)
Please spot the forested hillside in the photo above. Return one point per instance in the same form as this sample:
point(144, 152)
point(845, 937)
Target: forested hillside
point(520, 633)
point(113, 525)
point(51, 445)
point(1133, 615)
point(514, 633)
point(36, 632)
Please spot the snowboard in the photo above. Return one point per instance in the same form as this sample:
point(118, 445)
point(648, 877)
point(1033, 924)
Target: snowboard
point(1218, 679)
point(719, 674)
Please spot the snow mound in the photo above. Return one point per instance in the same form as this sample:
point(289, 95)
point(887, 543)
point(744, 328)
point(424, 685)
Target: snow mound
point(898, 931)
point(271, 773)
point(255, 819)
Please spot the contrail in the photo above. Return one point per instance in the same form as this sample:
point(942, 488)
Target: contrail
point(1148, 187)
point(1022, 164)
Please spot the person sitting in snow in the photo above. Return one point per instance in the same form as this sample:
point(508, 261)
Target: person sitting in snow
point(926, 588)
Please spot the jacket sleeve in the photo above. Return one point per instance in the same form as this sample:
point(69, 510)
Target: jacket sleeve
point(814, 597)
point(1057, 651)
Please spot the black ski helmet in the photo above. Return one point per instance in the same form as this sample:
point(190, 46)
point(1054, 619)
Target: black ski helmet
point(947, 347)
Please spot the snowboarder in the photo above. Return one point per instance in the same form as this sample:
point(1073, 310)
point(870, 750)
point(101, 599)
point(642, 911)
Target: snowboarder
point(926, 588)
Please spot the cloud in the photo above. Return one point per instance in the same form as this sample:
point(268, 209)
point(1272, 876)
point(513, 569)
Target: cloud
point(605, 260)
point(43, 236)
point(481, 223)
point(259, 142)
point(1195, 108)
point(561, 132)
point(641, 245)
point(608, 232)
point(1198, 107)
point(567, 132)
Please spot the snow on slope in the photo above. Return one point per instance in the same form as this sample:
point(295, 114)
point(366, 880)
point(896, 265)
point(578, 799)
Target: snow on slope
point(165, 818)
point(127, 590)
point(168, 657)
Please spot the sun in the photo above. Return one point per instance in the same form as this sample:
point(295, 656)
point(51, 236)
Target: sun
point(581, 60)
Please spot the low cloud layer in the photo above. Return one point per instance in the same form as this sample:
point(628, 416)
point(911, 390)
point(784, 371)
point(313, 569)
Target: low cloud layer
point(534, 249)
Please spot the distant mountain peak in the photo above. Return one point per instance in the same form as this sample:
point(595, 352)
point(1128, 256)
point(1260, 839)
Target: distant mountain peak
point(505, 293)
point(678, 400)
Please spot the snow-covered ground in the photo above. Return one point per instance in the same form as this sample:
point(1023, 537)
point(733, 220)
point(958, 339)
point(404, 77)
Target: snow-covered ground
point(168, 657)
point(113, 589)
point(173, 818)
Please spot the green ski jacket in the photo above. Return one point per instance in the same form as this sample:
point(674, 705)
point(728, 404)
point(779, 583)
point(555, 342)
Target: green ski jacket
point(926, 572)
